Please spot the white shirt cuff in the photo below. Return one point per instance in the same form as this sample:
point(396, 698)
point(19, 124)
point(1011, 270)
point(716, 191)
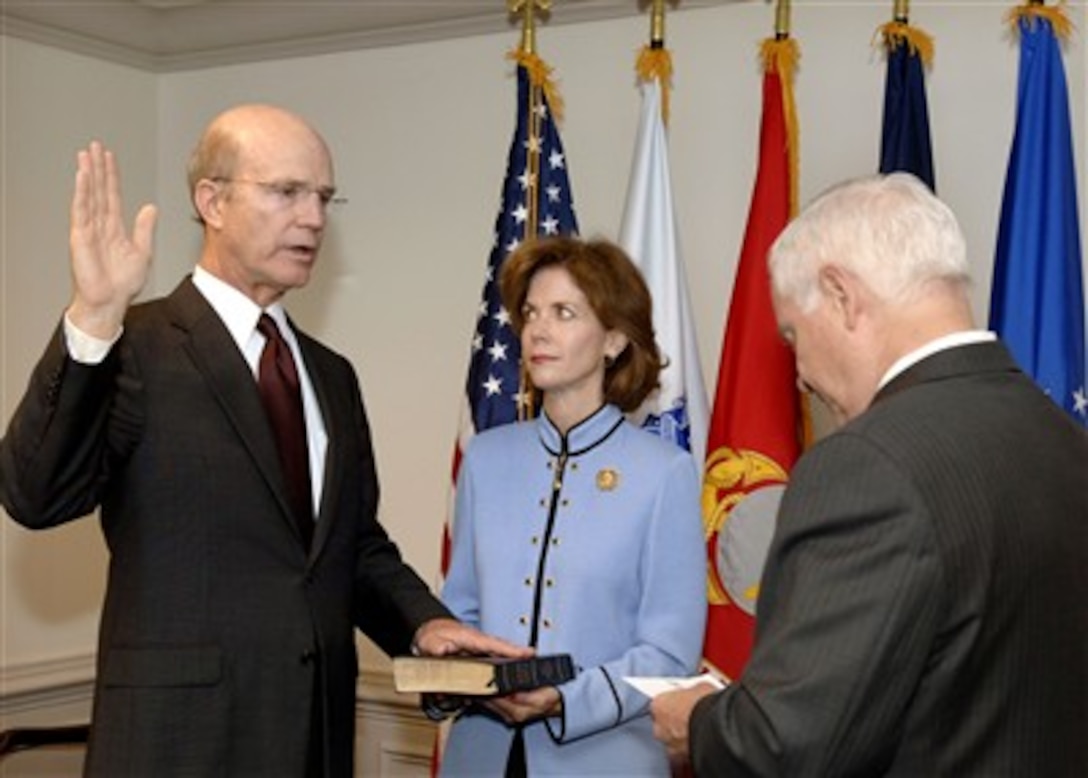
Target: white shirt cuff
point(86, 349)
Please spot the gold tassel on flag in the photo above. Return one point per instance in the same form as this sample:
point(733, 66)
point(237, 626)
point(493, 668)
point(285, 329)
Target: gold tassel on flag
point(655, 61)
point(899, 32)
point(540, 73)
point(1055, 14)
point(781, 55)
point(896, 33)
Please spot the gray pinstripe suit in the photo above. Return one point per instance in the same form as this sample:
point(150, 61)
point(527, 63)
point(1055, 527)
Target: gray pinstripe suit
point(924, 609)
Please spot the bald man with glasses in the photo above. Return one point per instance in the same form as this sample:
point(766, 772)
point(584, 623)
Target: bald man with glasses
point(230, 457)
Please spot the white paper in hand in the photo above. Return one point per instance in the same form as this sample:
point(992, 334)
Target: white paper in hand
point(652, 687)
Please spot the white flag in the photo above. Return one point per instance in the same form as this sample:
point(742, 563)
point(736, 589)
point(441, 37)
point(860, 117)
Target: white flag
point(678, 411)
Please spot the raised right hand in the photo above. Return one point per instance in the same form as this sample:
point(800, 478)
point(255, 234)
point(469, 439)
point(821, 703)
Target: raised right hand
point(109, 267)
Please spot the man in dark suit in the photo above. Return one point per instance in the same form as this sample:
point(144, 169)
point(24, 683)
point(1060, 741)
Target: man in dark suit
point(924, 606)
point(226, 644)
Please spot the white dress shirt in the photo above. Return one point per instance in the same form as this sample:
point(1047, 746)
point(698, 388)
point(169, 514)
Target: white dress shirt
point(939, 344)
point(240, 315)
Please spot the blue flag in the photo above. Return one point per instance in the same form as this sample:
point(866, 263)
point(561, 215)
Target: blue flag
point(1037, 299)
point(904, 141)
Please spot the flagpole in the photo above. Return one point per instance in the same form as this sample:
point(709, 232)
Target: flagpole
point(654, 61)
point(541, 97)
point(528, 10)
point(527, 50)
point(780, 55)
point(657, 24)
point(782, 20)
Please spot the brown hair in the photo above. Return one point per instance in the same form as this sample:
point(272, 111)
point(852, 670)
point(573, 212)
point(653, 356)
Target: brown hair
point(618, 295)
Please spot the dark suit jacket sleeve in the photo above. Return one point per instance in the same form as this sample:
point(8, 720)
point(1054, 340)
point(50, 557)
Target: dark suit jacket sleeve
point(54, 457)
point(846, 617)
point(391, 600)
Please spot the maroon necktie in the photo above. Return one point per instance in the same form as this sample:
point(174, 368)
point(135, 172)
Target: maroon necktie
point(277, 380)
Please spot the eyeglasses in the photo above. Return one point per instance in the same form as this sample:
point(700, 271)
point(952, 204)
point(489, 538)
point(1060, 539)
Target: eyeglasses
point(288, 194)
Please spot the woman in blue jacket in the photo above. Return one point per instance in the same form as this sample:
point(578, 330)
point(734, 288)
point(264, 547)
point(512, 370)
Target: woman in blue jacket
point(577, 532)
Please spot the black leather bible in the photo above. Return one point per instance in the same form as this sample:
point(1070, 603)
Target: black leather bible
point(479, 676)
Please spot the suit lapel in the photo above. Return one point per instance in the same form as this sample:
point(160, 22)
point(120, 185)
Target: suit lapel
point(229, 379)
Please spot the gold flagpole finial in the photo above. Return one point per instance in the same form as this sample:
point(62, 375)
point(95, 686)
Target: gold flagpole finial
point(528, 10)
point(901, 11)
point(782, 19)
point(657, 24)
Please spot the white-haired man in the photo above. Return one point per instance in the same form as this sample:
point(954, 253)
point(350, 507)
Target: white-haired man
point(924, 607)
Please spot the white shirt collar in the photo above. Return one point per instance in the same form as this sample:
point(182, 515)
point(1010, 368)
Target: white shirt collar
point(238, 312)
point(940, 344)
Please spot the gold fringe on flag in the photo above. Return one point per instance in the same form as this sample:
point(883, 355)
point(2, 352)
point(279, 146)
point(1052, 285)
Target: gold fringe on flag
point(781, 55)
point(1055, 14)
point(655, 62)
point(542, 87)
point(898, 33)
point(540, 76)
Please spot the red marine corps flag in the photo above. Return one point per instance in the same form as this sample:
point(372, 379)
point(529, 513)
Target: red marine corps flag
point(756, 426)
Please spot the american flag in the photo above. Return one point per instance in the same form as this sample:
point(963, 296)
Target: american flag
point(536, 200)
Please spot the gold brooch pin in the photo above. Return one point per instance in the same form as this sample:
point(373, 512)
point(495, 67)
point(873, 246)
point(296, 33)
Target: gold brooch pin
point(607, 479)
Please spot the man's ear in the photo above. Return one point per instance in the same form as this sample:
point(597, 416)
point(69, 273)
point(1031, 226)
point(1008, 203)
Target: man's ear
point(843, 291)
point(208, 200)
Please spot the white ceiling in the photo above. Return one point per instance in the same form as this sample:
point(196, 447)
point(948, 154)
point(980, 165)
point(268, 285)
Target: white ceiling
point(166, 35)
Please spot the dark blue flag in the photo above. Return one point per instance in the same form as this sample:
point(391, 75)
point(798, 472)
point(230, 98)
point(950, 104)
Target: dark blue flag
point(1037, 299)
point(904, 141)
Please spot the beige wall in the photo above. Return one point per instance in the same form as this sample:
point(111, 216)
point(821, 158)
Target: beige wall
point(52, 103)
point(420, 135)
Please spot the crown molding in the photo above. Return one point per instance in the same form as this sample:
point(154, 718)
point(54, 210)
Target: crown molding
point(163, 61)
point(75, 43)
